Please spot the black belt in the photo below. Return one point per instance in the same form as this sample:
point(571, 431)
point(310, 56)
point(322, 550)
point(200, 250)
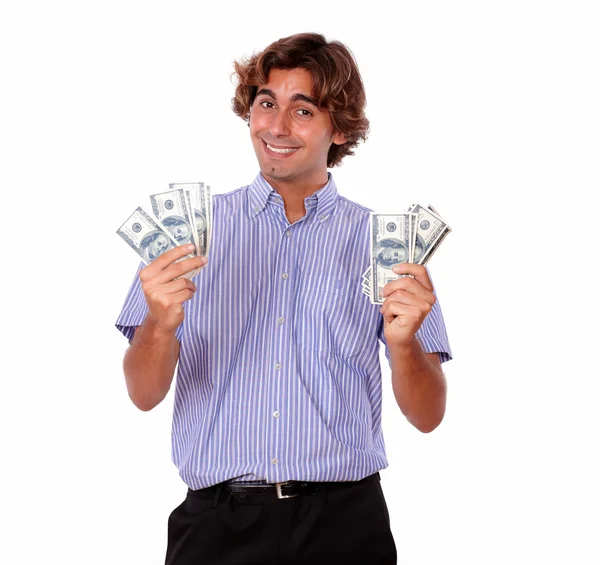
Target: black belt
point(289, 489)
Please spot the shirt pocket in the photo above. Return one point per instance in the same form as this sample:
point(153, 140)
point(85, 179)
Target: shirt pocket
point(330, 319)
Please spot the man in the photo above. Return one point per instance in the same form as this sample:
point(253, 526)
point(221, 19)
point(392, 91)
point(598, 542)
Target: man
point(277, 410)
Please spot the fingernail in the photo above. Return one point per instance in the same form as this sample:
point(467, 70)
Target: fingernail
point(203, 260)
point(190, 247)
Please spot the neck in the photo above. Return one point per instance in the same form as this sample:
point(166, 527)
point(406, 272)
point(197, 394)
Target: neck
point(293, 194)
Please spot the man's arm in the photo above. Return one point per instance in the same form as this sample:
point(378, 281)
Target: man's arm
point(149, 362)
point(419, 385)
point(417, 378)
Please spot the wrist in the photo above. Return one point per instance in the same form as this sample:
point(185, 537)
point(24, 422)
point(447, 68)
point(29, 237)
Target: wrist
point(156, 331)
point(403, 349)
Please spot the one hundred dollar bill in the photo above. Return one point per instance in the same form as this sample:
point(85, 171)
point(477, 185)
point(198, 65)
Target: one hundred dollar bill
point(413, 236)
point(366, 281)
point(199, 210)
point(209, 216)
point(434, 247)
point(432, 209)
point(148, 238)
point(431, 230)
point(424, 229)
point(173, 211)
point(391, 243)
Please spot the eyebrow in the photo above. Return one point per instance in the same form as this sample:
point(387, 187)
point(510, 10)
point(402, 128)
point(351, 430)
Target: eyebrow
point(294, 98)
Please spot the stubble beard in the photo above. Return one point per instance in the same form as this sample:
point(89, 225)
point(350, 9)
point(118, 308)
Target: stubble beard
point(278, 173)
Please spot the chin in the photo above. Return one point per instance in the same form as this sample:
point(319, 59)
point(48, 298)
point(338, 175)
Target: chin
point(274, 171)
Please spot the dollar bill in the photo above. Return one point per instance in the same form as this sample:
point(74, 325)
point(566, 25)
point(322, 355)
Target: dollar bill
point(434, 247)
point(391, 243)
point(432, 209)
point(430, 229)
point(173, 211)
point(412, 236)
point(199, 198)
point(148, 238)
point(209, 217)
point(366, 281)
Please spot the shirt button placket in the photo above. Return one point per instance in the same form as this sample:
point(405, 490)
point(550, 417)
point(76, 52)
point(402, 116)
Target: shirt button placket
point(281, 336)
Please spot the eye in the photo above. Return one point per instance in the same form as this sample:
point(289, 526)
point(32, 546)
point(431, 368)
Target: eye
point(304, 112)
point(267, 104)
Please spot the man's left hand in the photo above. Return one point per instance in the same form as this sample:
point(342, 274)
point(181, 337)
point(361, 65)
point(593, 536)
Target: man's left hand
point(407, 302)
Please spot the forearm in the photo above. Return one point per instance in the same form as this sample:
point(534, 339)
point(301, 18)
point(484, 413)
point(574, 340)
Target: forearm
point(419, 386)
point(149, 364)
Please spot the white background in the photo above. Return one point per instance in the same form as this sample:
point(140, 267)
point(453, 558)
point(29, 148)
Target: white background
point(487, 110)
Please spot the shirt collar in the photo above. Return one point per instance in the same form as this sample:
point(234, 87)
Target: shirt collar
point(324, 199)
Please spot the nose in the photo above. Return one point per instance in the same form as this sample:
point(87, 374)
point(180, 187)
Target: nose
point(279, 126)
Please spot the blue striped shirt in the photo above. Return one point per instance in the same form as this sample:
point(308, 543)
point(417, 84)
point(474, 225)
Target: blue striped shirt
point(279, 375)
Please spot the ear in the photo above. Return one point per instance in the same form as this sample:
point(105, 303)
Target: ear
point(338, 138)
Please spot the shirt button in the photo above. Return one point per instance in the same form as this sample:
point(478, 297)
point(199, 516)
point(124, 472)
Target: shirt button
point(257, 209)
point(322, 217)
point(288, 233)
point(280, 320)
point(276, 414)
point(274, 460)
point(277, 366)
point(285, 276)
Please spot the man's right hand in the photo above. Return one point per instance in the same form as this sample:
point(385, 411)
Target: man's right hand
point(165, 295)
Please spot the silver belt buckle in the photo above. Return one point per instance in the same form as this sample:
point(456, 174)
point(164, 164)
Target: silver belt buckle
point(279, 493)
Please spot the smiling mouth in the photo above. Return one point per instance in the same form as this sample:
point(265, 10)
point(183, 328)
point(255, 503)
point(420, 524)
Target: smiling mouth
point(280, 150)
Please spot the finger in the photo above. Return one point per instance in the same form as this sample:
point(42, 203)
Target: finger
point(410, 285)
point(407, 314)
point(180, 268)
point(418, 271)
point(176, 300)
point(164, 260)
point(177, 285)
point(181, 296)
point(405, 297)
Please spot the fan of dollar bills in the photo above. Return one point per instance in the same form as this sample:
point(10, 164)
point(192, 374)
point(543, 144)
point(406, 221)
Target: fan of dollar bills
point(410, 237)
point(181, 215)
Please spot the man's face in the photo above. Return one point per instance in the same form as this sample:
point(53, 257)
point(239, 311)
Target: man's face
point(291, 136)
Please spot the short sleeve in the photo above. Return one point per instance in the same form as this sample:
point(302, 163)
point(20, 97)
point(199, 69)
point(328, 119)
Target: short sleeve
point(431, 335)
point(134, 309)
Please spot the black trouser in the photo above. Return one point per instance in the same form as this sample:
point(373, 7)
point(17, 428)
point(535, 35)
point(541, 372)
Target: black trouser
point(346, 523)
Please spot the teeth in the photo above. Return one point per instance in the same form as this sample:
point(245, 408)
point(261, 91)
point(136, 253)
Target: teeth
point(274, 149)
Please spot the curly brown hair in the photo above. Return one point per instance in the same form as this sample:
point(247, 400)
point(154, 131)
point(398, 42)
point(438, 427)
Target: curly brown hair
point(337, 84)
